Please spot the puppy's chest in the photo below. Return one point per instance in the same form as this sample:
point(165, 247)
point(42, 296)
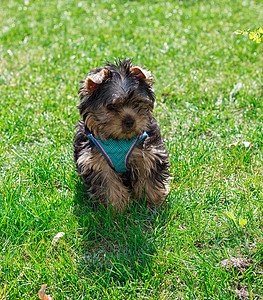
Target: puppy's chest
point(117, 152)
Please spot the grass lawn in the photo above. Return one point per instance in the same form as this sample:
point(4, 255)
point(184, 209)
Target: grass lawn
point(209, 91)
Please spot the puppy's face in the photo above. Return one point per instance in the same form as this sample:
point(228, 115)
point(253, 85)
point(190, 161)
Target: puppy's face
point(121, 117)
point(118, 101)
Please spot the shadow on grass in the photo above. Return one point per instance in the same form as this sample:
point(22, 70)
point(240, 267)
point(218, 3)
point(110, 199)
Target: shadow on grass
point(117, 248)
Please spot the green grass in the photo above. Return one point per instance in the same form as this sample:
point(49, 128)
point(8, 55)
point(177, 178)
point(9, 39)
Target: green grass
point(46, 48)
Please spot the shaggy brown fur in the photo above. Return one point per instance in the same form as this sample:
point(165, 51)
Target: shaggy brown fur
point(117, 103)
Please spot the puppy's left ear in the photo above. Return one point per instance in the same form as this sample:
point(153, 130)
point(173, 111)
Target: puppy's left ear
point(141, 73)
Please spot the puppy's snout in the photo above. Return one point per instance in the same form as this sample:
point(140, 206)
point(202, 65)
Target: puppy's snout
point(128, 122)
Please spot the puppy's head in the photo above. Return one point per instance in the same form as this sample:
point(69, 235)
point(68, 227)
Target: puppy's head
point(117, 100)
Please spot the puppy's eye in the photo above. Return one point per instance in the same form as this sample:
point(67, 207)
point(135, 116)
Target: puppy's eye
point(111, 106)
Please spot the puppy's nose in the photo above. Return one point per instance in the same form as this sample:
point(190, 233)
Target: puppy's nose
point(128, 122)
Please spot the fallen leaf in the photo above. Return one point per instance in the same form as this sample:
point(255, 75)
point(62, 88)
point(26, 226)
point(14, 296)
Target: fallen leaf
point(245, 144)
point(232, 145)
point(57, 237)
point(236, 89)
point(42, 293)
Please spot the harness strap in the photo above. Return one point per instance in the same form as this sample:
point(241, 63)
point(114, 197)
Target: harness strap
point(141, 137)
point(101, 150)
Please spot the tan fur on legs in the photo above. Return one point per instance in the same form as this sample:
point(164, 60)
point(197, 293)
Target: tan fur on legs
point(142, 162)
point(154, 196)
point(111, 188)
point(116, 192)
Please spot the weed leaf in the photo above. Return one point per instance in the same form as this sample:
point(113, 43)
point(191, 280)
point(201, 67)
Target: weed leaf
point(230, 215)
point(242, 222)
point(42, 293)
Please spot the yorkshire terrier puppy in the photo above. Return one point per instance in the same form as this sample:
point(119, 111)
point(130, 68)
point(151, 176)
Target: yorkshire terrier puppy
point(118, 149)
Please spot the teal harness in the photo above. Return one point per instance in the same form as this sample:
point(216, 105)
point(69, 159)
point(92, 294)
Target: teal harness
point(117, 152)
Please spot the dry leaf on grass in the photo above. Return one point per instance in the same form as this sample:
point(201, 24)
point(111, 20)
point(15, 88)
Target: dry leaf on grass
point(245, 144)
point(42, 293)
point(57, 237)
point(236, 89)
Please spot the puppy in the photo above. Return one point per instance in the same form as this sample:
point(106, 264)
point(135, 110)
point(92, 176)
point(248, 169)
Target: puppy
point(118, 149)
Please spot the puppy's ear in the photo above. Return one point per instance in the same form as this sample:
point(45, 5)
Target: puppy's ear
point(93, 81)
point(143, 74)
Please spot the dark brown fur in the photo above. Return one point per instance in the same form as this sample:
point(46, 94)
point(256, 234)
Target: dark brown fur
point(117, 103)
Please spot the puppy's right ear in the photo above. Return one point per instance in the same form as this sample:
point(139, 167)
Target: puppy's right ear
point(92, 82)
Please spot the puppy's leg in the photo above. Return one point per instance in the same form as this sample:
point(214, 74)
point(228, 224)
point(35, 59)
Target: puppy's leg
point(149, 180)
point(104, 184)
